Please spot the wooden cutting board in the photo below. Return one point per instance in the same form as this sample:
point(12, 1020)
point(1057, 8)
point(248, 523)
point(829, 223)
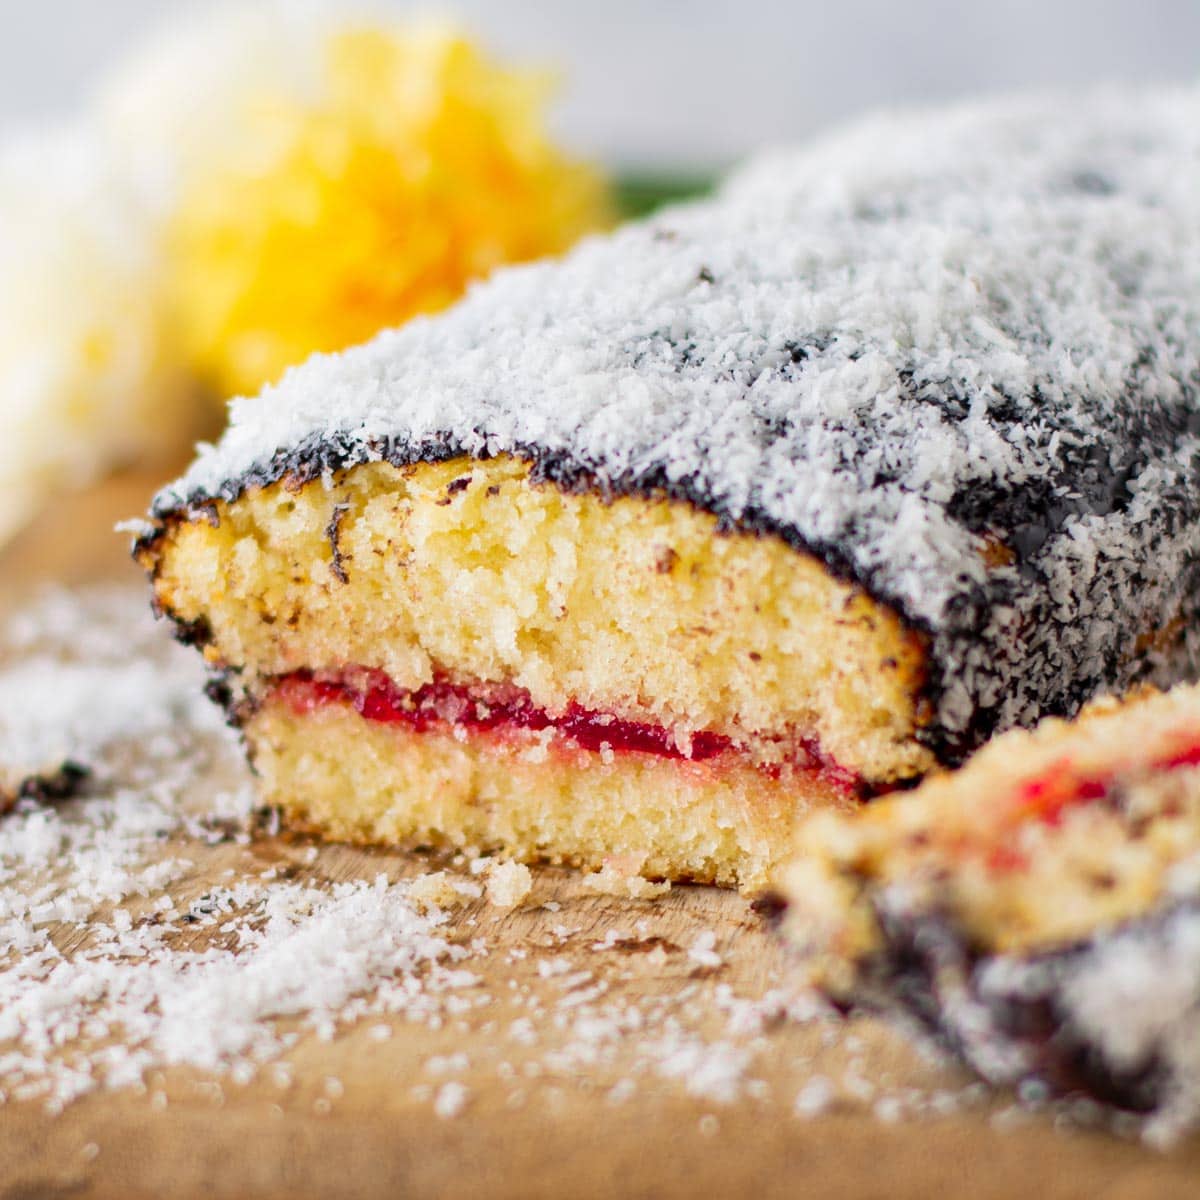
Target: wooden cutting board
point(529, 1129)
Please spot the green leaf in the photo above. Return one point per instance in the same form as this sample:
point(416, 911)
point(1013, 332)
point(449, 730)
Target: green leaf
point(639, 194)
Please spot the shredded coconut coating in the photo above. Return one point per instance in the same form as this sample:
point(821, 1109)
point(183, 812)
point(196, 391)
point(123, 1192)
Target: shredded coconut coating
point(1124, 1008)
point(955, 354)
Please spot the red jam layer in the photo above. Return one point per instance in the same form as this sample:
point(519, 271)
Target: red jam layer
point(486, 708)
point(1048, 797)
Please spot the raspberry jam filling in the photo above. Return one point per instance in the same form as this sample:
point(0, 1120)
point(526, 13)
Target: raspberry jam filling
point(499, 708)
point(1049, 797)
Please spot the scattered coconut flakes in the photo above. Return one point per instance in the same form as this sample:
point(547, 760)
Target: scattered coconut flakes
point(703, 953)
point(445, 1064)
point(523, 1032)
point(710, 1071)
point(450, 1100)
point(508, 883)
point(815, 1097)
point(149, 984)
point(610, 882)
point(82, 681)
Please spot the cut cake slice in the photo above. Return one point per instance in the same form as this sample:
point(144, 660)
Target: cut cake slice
point(1039, 909)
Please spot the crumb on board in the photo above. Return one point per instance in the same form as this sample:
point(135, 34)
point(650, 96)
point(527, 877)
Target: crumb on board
point(441, 889)
point(609, 881)
point(508, 884)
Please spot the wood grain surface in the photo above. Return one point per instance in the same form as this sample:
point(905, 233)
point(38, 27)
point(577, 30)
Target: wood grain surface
point(528, 1129)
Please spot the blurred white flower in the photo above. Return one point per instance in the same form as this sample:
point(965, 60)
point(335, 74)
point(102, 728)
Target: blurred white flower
point(182, 95)
point(86, 377)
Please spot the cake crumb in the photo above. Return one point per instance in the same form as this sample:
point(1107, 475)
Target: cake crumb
point(440, 889)
point(610, 882)
point(508, 884)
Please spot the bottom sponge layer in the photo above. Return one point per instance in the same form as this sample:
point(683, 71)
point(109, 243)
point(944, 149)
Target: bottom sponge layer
point(532, 794)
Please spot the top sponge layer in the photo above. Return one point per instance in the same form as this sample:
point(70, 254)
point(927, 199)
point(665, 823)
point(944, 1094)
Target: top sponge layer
point(955, 355)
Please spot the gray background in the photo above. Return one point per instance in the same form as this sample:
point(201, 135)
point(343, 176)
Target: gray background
point(691, 82)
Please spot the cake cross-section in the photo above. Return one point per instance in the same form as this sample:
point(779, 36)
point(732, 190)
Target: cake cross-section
point(775, 501)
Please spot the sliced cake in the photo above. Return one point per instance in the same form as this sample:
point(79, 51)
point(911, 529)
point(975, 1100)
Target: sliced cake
point(769, 503)
point(1038, 909)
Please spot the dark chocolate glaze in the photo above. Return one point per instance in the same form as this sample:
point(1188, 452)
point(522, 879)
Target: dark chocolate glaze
point(1018, 1024)
point(67, 781)
point(61, 783)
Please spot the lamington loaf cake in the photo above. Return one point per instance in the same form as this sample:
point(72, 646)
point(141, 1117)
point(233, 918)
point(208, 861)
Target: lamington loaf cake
point(1039, 910)
point(768, 503)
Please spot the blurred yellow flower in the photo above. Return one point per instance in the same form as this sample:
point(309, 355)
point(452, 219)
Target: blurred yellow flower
point(409, 166)
point(256, 183)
